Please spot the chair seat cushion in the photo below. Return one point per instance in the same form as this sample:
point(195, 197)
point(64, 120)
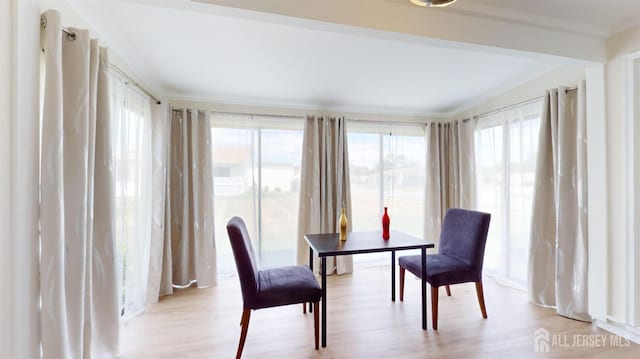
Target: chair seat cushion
point(441, 269)
point(286, 285)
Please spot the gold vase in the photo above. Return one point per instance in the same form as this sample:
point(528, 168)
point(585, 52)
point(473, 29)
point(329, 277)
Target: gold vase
point(343, 225)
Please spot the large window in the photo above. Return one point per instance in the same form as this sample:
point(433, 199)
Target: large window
point(132, 170)
point(257, 177)
point(506, 153)
point(387, 169)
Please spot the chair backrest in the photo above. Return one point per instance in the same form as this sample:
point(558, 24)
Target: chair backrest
point(244, 257)
point(464, 235)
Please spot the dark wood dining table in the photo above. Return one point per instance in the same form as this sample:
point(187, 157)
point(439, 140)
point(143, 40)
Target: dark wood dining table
point(329, 245)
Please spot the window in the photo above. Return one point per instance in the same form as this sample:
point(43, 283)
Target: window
point(132, 162)
point(506, 154)
point(387, 169)
point(258, 179)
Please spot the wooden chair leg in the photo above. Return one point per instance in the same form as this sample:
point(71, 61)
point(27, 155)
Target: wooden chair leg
point(316, 323)
point(402, 273)
point(434, 308)
point(480, 293)
point(448, 290)
point(304, 308)
point(246, 315)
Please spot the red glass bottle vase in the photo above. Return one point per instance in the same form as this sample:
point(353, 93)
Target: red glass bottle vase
point(385, 224)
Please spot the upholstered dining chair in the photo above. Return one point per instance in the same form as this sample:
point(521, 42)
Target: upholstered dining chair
point(459, 259)
point(270, 287)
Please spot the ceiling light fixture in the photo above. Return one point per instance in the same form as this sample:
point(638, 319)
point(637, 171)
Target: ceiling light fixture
point(433, 3)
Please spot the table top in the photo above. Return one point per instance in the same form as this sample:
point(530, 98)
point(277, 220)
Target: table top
point(329, 244)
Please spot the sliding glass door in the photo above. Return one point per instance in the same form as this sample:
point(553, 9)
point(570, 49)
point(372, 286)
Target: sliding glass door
point(506, 154)
point(280, 158)
point(387, 169)
point(257, 177)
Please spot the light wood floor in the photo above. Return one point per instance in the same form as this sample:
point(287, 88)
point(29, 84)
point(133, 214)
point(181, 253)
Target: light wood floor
point(362, 323)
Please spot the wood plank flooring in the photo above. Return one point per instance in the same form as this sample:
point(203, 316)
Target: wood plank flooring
point(362, 323)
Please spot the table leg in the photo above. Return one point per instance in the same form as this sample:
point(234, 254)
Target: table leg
point(424, 288)
point(324, 302)
point(311, 267)
point(393, 276)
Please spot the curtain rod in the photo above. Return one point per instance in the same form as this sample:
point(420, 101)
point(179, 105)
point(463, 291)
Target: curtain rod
point(518, 104)
point(130, 81)
point(389, 122)
point(71, 35)
point(527, 102)
point(304, 116)
point(256, 114)
point(243, 114)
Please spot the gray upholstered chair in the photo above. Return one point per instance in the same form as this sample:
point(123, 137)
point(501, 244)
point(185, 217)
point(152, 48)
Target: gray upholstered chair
point(270, 287)
point(459, 259)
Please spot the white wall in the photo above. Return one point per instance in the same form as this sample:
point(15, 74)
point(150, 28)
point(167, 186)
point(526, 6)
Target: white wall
point(19, 53)
point(24, 19)
point(5, 178)
point(619, 47)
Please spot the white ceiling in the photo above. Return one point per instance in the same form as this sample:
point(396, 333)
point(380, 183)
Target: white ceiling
point(183, 52)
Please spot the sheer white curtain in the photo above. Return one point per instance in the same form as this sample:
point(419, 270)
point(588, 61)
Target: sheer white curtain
point(450, 172)
point(558, 257)
point(79, 315)
point(506, 151)
point(159, 152)
point(131, 112)
point(324, 186)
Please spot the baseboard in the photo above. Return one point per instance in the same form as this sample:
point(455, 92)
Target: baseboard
point(622, 330)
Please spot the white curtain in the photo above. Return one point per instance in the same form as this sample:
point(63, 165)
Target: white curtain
point(558, 255)
point(160, 149)
point(131, 112)
point(506, 150)
point(79, 316)
point(324, 186)
point(189, 251)
point(450, 182)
